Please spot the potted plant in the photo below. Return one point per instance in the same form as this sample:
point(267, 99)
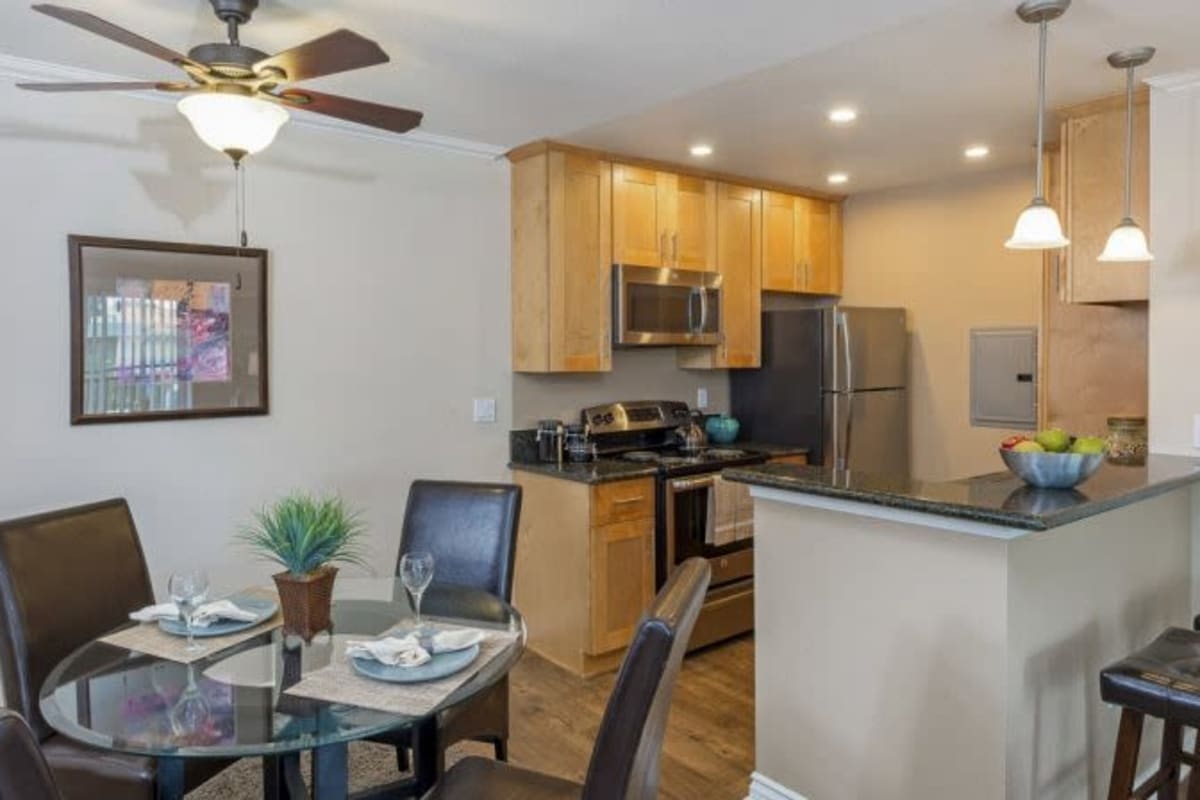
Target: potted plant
point(306, 535)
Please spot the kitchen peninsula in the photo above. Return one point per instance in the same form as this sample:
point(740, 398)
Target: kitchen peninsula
point(945, 639)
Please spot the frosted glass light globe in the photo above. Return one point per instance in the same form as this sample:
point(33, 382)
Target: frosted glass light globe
point(1127, 242)
point(1037, 228)
point(232, 123)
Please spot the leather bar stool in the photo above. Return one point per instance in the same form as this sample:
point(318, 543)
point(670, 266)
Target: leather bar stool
point(625, 758)
point(1162, 680)
point(471, 530)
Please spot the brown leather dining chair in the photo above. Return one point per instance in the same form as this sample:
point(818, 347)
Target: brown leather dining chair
point(471, 530)
point(24, 774)
point(625, 758)
point(67, 577)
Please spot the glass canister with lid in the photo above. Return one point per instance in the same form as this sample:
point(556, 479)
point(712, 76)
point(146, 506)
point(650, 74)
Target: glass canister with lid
point(1128, 440)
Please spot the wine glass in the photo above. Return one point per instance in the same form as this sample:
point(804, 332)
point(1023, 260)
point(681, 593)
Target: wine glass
point(416, 572)
point(189, 590)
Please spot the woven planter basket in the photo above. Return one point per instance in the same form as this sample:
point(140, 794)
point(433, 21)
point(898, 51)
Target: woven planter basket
point(306, 601)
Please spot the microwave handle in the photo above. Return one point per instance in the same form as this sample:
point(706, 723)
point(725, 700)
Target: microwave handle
point(691, 317)
point(703, 309)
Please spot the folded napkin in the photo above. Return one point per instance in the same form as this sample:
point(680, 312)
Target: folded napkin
point(413, 651)
point(205, 615)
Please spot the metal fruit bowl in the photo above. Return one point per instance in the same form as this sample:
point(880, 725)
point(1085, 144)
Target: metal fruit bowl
point(1052, 470)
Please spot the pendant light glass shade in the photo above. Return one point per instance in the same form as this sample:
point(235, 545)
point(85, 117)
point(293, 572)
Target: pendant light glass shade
point(234, 124)
point(1037, 228)
point(1127, 242)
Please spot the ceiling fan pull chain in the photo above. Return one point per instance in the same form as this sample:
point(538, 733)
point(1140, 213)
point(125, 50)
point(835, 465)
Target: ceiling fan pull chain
point(240, 204)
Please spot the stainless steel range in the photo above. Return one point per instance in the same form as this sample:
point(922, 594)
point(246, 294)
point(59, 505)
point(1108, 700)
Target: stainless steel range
point(697, 513)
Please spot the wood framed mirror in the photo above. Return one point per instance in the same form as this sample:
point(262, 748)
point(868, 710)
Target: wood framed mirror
point(163, 330)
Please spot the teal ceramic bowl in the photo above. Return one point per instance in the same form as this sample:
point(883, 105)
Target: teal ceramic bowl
point(722, 430)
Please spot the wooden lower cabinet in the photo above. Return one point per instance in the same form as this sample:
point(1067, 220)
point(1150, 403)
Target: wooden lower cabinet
point(798, 459)
point(585, 567)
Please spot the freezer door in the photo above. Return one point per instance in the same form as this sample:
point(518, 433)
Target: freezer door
point(865, 348)
point(868, 432)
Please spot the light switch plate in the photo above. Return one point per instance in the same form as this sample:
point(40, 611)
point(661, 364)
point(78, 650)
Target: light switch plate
point(485, 409)
point(702, 397)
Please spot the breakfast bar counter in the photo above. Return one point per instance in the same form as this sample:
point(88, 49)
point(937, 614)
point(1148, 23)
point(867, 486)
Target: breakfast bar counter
point(944, 640)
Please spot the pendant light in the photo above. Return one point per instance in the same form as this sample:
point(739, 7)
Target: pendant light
point(1127, 242)
point(1038, 227)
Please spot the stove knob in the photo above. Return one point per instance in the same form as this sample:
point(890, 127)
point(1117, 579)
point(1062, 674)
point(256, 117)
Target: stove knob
point(599, 419)
point(608, 419)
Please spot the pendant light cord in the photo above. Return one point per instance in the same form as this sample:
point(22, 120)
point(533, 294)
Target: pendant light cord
point(1128, 142)
point(1041, 109)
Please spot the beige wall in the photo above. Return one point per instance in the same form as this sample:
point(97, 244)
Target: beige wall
point(646, 373)
point(389, 312)
point(1175, 274)
point(937, 250)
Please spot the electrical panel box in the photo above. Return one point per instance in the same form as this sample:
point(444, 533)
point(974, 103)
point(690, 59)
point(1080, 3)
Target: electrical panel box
point(1004, 378)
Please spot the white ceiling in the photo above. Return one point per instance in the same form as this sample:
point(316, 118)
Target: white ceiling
point(652, 76)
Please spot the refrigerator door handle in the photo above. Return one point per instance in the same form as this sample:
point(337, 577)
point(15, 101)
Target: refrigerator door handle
point(845, 458)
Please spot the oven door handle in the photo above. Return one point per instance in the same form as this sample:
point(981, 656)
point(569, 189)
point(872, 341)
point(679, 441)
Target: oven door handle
point(678, 485)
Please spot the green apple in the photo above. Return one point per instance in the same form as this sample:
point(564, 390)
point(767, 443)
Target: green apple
point(1028, 446)
point(1054, 440)
point(1089, 445)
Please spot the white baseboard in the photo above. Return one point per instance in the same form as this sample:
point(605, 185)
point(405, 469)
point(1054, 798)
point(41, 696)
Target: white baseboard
point(763, 788)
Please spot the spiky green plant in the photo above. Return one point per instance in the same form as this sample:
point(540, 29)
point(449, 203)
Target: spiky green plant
point(303, 533)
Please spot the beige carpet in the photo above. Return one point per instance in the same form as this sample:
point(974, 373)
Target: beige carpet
point(370, 765)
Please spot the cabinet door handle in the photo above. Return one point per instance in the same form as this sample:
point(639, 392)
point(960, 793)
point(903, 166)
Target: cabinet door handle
point(625, 501)
point(675, 248)
point(662, 248)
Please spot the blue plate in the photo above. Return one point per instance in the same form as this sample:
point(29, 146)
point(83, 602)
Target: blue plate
point(263, 608)
point(440, 666)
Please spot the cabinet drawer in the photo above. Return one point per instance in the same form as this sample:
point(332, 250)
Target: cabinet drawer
point(798, 458)
point(622, 500)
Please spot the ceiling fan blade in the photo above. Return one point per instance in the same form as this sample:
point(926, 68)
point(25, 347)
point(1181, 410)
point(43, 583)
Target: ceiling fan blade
point(389, 118)
point(122, 86)
point(334, 52)
point(100, 27)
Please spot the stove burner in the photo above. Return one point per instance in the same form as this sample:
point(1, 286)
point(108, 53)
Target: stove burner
point(642, 456)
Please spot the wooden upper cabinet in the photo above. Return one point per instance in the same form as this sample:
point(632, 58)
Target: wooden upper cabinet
point(801, 245)
point(639, 200)
point(562, 263)
point(739, 261)
point(780, 267)
point(692, 218)
point(661, 219)
point(1093, 163)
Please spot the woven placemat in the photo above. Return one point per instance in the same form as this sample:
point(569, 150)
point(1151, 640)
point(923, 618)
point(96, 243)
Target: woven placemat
point(339, 683)
point(148, 638)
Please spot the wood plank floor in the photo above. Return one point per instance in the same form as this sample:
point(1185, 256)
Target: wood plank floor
point(709, 750)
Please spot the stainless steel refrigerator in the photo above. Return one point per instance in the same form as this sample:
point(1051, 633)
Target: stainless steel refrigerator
point(834, 380)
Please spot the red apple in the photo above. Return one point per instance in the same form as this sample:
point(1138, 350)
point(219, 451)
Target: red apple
point(1012, 441)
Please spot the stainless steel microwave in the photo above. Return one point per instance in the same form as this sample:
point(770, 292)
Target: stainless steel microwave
point(666, 306)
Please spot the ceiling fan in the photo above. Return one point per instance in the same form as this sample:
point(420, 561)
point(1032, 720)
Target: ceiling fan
point(238, 97)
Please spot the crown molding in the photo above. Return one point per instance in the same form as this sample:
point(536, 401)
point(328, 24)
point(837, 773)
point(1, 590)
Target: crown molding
point(1176, 81)
point(16, 68)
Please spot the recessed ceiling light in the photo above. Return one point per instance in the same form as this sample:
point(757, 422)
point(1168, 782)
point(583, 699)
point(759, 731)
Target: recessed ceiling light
point(977, 151)
point(701, 150)
point(838, 177)
point(842, 115)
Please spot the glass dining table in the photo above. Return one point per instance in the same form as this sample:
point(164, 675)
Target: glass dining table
point(118, 700)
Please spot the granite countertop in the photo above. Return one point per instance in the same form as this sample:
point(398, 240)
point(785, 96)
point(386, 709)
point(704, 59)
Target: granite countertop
point(773, 450)
point(998, 498)
point(602, 470)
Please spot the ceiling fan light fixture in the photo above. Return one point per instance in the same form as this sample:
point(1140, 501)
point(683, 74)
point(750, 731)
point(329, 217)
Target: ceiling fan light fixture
point(234, 124)
point(1037, 228)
